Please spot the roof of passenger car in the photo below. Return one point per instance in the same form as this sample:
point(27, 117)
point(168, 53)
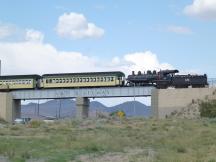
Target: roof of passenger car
point(32, 76)
point(118, 73)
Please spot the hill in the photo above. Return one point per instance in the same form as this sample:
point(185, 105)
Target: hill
point(67, 108)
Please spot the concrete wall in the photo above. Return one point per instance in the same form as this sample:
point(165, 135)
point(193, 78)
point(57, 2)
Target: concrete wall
point(9, 108)
point(165, 101)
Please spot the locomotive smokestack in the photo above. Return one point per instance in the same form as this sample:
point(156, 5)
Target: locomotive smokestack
point(139, 72)
point(133, 73)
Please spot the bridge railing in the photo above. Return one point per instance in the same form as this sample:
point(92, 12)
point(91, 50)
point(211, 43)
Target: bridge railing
point(212, 82)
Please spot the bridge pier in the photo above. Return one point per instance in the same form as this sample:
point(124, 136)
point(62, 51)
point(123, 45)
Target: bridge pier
point(10, 109)
point(82, 107)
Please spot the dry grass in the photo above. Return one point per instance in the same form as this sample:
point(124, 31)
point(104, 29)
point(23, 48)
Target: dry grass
point(106, 140)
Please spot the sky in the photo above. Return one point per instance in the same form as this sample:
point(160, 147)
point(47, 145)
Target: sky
point(51, 36)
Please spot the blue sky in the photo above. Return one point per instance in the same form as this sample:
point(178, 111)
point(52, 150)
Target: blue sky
point(129, 27)
point(73, 36)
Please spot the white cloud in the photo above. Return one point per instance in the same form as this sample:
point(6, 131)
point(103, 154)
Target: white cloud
point(145, 61)
point(75, 26)
point(35, 56)
point(39, 58)
point(5, 31)
point(204, 9)
point(179, 29)
point(34, 35)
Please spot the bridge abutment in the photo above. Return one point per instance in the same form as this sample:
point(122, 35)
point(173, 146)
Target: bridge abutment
point(10, 109)
point(82, 107)
point(166, 101)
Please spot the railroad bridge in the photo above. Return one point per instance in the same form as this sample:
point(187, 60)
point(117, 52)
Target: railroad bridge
point(163, 101)
point(10, 102)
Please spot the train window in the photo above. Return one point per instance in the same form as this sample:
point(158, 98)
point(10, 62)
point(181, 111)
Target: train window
point(94, 79)
point(60, 80)
point(98, 79)
point(101, 79)
point(87, 79)
point(47, 81)
point(74, 80)
point(84, 79)
point(67, 80)
point(112, 79)
point(57, 80)
point(77, 79)
point(81, 79)
point(108, 79)
point(63, 80)
point(70, 80)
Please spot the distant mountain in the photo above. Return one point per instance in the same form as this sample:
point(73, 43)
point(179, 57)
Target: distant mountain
point(67, 108)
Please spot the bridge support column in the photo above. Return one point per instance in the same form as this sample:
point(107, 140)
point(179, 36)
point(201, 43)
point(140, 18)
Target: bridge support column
point(9, 108)
point(82, 107)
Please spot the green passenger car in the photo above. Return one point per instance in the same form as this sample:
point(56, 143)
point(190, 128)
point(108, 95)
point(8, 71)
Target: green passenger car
point(74, 80)
point(12, 82)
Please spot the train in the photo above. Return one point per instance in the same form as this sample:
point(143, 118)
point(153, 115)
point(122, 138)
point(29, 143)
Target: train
point(160, 79)
point(167, 78)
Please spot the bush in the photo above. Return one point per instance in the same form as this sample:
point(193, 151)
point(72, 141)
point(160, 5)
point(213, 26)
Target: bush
point(208, 109)
point(35, 124)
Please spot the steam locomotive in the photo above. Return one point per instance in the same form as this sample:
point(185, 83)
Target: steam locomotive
point(166, 78)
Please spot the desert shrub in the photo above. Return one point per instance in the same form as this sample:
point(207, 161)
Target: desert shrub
point(35, 123)
point(2, 121)
point(15, 128)
point(208, 109)
point(181, 149)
